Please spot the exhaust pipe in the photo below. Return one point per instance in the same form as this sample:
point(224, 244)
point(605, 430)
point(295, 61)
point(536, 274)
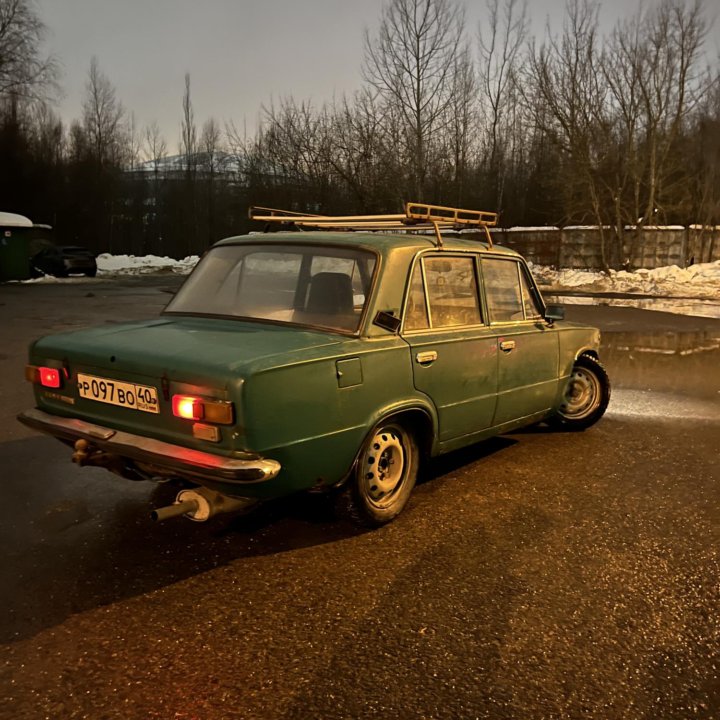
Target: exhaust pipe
point(200, 504)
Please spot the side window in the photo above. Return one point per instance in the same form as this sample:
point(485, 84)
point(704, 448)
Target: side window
point(502, 289)
point(452, 291)
point(532, 311)
point(416, 317)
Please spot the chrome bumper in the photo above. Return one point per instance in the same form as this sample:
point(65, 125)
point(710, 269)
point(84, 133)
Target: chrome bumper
point(185, 461)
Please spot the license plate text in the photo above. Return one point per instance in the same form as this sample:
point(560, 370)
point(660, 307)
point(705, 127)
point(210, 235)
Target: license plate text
point(114, 392)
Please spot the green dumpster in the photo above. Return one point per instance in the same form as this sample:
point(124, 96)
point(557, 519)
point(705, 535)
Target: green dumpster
point(14, 247)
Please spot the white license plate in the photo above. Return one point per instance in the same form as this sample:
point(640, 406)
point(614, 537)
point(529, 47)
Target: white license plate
point(114, 392)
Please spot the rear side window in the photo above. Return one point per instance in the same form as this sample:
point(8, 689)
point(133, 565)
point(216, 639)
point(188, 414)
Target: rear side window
point(507, 291)
point(452, 294)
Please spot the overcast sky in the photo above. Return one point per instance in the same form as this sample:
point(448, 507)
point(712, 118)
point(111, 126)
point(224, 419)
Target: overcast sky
point(240, 53)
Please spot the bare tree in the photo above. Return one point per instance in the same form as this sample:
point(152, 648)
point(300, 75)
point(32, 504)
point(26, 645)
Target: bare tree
point(47, 135)
point(295, 137)
point(188, 148)
point(458, 132)
point(155, 149)
point(210, 144)
point(188, 137)
point(24, 70)
point(133, 142)
point(361, 153)
point(501, 39)
point(670, 87)
point(410, 62)
point(210, 147)
point(567, 95)
point(103, 116)
point(154, 145)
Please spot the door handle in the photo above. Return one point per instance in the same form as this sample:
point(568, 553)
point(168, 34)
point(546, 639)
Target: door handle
point(507, 345)
point(426, 358)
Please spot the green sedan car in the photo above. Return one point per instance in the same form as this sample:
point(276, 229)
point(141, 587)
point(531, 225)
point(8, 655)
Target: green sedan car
point(332, 360)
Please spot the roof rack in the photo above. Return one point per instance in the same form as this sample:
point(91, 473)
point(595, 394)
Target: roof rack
point(417, 216)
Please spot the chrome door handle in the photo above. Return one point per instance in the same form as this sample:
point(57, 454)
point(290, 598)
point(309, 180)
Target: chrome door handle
point(425, 358)
point(507, 345)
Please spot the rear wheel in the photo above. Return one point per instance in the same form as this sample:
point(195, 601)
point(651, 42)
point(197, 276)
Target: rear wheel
point(384, 476)
point(586, 396)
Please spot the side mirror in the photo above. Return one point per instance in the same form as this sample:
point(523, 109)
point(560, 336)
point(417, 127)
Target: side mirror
point(387, 321)
point(554, 312)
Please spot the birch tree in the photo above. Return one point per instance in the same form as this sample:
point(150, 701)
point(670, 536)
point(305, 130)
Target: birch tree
point(25, 70)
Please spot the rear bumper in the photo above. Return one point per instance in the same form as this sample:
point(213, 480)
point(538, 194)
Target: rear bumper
point(186, 462)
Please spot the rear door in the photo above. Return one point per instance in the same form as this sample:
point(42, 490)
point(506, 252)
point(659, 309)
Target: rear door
point(527, 346)
point(453, 350)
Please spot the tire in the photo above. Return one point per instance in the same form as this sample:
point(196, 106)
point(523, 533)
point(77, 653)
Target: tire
point(384, 476)
point(586, 396)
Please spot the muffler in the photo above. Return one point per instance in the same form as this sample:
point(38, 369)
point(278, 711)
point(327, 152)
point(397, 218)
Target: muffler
point(200, 504)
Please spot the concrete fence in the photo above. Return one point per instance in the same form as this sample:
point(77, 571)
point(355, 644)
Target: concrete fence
point(582, 247)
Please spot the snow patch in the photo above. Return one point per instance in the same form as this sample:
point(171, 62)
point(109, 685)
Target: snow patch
point(140, 265)
point(698, 281)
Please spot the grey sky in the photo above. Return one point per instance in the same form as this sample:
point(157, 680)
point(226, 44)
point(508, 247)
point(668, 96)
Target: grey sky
point(240, 53)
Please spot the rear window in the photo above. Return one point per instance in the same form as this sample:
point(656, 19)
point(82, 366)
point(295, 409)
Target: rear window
point(315, 286)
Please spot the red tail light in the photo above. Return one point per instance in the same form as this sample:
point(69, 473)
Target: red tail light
point(49, 377)
point(190, 407)
point(187, 407)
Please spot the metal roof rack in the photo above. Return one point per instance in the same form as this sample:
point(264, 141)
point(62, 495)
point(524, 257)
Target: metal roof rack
point(417, 216)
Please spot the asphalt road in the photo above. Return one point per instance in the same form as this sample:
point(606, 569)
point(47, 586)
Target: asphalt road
point(537, 575)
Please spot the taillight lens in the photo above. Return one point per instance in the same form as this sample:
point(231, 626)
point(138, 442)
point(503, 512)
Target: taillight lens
point(191, 407)
point(49, 377)
point(46, 376)
point(187, 407)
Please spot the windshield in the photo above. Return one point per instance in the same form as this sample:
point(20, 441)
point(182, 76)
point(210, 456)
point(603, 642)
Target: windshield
point(310, 285)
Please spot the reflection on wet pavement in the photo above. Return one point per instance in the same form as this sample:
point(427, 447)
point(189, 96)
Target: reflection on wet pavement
point(653, 405)
point(675, 375)
point(679, 306)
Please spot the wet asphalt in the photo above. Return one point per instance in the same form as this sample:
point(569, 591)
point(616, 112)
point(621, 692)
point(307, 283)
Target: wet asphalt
point(536, 575)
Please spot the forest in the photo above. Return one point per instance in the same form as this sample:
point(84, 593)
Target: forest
point(616, 128)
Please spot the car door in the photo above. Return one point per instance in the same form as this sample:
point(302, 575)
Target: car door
point(453, 351)
point(528, 346)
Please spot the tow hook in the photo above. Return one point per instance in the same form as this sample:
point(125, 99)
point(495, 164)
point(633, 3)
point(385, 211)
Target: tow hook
point(87, 454)
point(81, 454)
point(200, 504)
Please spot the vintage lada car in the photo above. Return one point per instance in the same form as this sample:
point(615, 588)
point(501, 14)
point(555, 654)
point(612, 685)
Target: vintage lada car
point(333, 355)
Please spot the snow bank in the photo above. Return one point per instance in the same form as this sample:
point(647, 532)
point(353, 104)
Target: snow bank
point(698, 281)
point(133, 265)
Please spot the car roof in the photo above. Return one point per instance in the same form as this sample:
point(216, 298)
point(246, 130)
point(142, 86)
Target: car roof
point(381, 242)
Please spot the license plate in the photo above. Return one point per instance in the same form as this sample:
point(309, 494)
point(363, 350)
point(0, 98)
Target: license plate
point(114, 392)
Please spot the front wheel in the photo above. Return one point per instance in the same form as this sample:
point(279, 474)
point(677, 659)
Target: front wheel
point(384, 476)
point(586, 396)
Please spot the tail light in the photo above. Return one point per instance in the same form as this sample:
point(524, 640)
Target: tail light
point(191, 407)
point(49, 377)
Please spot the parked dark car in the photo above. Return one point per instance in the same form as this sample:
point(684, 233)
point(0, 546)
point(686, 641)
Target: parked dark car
point(64, 260)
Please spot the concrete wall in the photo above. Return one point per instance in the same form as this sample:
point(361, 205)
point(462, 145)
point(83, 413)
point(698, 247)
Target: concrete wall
point(580, 247)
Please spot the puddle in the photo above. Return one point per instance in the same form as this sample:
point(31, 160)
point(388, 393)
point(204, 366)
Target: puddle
point(678, 306)
point(665, 364)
